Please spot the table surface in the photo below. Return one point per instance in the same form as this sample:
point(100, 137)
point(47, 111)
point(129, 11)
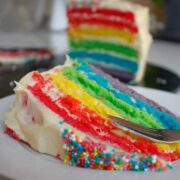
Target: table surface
point(162, 53)
point(165, 54)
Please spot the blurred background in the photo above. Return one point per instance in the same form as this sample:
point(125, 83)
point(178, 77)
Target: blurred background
point(42, 24)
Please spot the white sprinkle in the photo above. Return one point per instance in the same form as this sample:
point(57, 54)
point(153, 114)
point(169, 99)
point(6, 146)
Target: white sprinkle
point(65, 146)
point(133, 100)
point(144, 109)
point(154, 159)
point(73, 136)
point(101, 162)
point(146, 169)
point(125, 159)
point(136, 167)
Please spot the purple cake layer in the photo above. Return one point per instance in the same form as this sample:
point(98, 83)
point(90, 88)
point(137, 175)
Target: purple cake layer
point(122, 87)
point(117, 73)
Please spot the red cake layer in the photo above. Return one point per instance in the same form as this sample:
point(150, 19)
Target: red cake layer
point(129, 16)
point(23, 53)
point(103, 21)
point(90, 123)
point(12, 133)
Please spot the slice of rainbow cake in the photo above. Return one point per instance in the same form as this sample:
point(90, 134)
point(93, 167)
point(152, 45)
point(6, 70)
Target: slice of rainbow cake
point(111, 33)
point(64, 113)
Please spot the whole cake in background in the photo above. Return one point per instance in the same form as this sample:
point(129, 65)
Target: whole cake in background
point(111, 33)
point(21, 56)
point(64, 113)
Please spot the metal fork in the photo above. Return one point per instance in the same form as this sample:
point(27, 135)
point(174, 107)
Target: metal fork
point(160, 135)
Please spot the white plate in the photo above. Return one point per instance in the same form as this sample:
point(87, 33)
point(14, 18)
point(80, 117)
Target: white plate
point(19, 161)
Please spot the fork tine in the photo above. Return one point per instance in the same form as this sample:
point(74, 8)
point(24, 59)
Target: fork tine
point(141, 133)
point(138, 129)
point(133, 125)
point(162, 135)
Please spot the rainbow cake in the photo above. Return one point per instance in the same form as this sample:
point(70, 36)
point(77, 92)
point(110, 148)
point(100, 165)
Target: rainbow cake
point(111, 33)
point(21, 56)
point(64, 113)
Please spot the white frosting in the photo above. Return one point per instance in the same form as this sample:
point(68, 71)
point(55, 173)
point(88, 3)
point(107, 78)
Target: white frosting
point(8, 59)
point(36, 124)
point(13, 60)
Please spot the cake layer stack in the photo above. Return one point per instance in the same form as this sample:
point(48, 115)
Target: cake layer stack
point(64, 112)
point(111, 33)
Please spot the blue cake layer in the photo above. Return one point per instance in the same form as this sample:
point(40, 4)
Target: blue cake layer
point(111, 60)
point(164, 118)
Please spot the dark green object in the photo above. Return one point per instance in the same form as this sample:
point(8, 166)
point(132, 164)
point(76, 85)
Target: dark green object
point(160, 3)
point(160, 78)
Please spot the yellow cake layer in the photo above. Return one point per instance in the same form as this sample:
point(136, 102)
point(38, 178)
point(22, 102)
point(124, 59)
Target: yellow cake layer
point(99, 32)
point(71, 88)
point(169, 147)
